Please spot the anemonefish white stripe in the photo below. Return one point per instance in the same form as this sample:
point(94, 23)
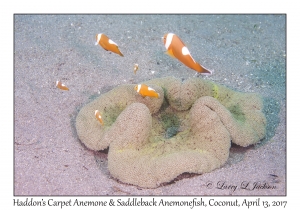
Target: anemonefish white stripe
point(112, 42)
point(149, 88)
point(98, 38)
point(185, 51)
point(169, 40)
point(139, 87)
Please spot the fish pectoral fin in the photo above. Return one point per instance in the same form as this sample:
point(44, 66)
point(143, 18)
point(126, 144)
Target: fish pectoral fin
point(103, 46)
point(142, 95)
point(170, 53)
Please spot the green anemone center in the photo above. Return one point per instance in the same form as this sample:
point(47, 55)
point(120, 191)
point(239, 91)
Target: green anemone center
point(170, 123)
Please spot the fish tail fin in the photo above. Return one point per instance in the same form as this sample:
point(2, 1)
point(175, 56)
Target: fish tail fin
point(204, 71)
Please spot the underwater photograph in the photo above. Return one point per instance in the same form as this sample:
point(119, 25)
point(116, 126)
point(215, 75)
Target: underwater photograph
point(149, 104)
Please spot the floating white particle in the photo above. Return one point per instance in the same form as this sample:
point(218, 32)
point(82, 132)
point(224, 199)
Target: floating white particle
point(152, 72)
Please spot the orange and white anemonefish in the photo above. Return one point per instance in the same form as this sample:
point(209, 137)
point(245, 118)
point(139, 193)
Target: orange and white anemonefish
point(144, 91)
point(135, 68)
point(61, 86)
point(99, 117)
point(107, 44)
point(177, 49)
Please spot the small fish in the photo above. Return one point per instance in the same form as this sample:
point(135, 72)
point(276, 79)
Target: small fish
point(144, 91)
point(61, 86)
point(98, 117)
point(107, 44)
point(136, 67)
point(177, 49)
